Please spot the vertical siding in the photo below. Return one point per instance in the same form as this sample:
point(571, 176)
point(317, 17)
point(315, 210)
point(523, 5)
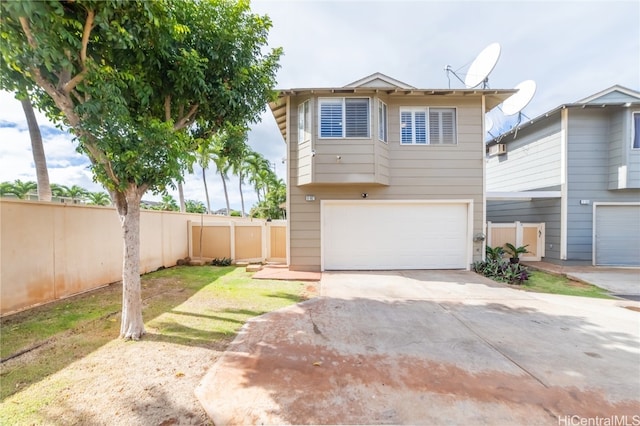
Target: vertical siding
point(588, 177)
point(414, 173)
point(532, 160)
point(545, 211)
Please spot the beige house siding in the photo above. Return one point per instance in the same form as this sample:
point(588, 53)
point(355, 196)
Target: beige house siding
point(431, 172)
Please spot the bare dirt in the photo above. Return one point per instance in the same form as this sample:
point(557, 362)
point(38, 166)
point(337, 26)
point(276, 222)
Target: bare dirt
point(146, 382)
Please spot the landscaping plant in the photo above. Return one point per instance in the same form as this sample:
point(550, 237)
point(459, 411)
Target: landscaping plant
point(499, 269)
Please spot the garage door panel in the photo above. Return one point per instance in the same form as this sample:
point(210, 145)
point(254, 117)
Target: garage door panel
point(617, 235)
point(394, 235)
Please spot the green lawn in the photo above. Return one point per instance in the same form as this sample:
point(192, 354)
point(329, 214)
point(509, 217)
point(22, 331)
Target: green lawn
point(202, 306)
point(543, 282)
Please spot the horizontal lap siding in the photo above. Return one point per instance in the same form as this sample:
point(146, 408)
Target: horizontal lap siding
point(545, 211)
point(589, 146)
point(532, 160)
point(414, 173)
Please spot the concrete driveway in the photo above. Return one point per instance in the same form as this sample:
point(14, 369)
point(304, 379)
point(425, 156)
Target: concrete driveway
point(430, 347)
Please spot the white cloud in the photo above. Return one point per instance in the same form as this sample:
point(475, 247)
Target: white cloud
point(571, 49)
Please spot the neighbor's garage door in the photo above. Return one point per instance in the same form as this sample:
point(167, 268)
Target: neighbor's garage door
point(394, 235)
point(617, 235)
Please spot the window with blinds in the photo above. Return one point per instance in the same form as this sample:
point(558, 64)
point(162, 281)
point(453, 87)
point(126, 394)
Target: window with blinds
point(344, 117)
point(440, 129)
point(304, 122)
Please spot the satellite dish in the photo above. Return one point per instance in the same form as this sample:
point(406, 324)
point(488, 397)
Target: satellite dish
point(482, 66)
point(488, 123)
point(516, 102)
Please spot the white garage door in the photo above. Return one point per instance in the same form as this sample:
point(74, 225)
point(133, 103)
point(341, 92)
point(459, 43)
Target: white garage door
point(617, 235)
point(368, 234)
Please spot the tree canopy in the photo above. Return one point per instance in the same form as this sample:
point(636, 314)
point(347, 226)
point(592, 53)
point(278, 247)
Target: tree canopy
point(128, 78)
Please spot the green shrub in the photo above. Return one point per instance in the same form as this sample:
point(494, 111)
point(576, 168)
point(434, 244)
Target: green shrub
point(499, 269)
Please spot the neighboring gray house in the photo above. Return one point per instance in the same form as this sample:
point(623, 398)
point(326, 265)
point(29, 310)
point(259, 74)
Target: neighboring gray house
point(383, 175)
point(577, 169)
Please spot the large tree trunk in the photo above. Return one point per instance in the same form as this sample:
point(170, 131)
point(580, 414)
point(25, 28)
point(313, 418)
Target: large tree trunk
point(241, 195)
point(206, 190)
point(226, 193)
point(128, 206)
point(42, 174)
point(183, 207)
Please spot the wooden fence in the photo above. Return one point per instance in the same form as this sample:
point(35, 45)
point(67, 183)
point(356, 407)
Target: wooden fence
point(518, 234)
point(49, 251)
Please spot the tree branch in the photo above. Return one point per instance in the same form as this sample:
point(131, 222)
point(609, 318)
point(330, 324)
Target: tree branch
point(186, 120)
point(167, 108)
point(74, 81)
point(27, 31)
point(88, 26)
point(86, 33)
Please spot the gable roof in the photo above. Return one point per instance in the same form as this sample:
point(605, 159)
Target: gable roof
point(614, 94)
point(379, 80)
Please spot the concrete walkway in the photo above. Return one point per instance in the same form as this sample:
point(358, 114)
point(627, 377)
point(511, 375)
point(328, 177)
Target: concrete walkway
point(621, 282)
point(430, 347)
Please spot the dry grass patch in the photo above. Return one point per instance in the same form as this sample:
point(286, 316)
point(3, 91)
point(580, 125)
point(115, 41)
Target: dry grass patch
point(81, 373)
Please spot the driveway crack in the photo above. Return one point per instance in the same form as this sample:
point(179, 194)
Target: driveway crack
point(495, 348)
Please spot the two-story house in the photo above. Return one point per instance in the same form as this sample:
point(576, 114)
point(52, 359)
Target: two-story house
point(383, 175)
point(575, 168)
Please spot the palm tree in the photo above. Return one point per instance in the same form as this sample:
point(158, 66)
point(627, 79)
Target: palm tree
point(77, 193)
point(98, 198)
point(6, 188)
point(203, 156)
point(222, 164)
point(240, 168)
point(37, 149)
point(59, 190)
point(183, 206)
point(168, 203)
point(259, 173)
point(195, 206)
point(21, 189)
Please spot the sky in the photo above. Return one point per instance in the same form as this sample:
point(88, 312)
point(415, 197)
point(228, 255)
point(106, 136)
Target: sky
point(571, 49)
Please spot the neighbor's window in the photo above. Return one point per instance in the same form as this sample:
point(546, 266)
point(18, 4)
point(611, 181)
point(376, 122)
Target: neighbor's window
point(636, 130)
point(438, 130)
point(304, 122)
point(382, 121)
point(344, 117)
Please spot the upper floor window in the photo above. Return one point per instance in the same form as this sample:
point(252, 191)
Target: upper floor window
point(344, 117)
point(304, 122)
point(382, 121)
point(636, 130)
point(438, 129)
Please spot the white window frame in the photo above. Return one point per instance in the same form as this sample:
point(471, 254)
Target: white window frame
point(383, 122)
point(428, 111)
point(343, 101)
point(304, 121)
point(635, 130)
point(413, 111)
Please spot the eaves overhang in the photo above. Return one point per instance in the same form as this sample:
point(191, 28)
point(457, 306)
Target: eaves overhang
point(551, 113)
point(493, 97)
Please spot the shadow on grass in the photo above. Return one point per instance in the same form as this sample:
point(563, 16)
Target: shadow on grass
point(286, 296)
point(53, 351)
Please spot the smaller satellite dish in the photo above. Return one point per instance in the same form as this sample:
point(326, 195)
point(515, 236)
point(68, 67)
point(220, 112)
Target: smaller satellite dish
point(516, 102)
point(488, 123)
point(482, 66)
